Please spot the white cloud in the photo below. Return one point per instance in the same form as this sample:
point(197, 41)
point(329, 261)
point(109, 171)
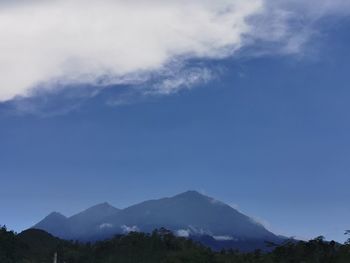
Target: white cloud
point(105, 225)
point(183, 79)
point(262, 222)
point(217, 202)
point(80, 41)
point(127, 229)
point(224, 238)
point(234, 206)
point(313, 7)
point(292, 23)
point(183, 233)
point(198, 231)
point(45, 43)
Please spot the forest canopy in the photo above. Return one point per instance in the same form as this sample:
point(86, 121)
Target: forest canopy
point(36, 246)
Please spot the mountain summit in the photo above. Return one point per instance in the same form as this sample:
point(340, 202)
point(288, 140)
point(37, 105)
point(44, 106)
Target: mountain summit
point(189, 214)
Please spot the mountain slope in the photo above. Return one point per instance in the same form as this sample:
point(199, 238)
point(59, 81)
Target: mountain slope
point(83, 222)
point(56, 224)
point(189, 214)
point(76, 226)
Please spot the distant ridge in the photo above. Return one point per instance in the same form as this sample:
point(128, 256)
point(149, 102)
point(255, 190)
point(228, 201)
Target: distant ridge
point(76, 226)
point(189, 214)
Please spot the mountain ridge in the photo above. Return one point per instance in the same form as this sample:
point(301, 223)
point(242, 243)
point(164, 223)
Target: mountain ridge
point(189, 214)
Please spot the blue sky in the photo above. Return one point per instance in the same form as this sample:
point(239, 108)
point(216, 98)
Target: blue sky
point(264, 126)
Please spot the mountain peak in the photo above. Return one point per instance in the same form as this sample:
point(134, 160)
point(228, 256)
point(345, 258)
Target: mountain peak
point(94, 214)
point(104, 205)
point(56, 215)
point(191, 193)
point(55, 223)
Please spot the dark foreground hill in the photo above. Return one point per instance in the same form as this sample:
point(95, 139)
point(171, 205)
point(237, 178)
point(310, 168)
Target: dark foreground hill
point(36, 246)
point(190, 214)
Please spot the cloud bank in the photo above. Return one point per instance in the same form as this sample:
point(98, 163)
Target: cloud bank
point(79, 41)
point(48, 44)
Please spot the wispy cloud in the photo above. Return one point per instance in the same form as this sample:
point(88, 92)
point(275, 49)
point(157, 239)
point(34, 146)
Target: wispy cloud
point(224, 238)
point(105, 225)
point(127, 229)
point(65, 43)
point(182, 79)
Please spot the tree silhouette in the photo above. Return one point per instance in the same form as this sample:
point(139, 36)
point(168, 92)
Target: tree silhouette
point(36, 246)
point(347, 233)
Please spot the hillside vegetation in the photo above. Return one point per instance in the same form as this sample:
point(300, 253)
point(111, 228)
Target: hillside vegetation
point(36, 246)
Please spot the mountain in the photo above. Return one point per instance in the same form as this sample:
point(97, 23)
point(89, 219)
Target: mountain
point(77, 226)
point(189, 214)
point(90, 218)
point(55, 224)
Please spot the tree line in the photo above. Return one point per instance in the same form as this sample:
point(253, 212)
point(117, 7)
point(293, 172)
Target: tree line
point(37, 246)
